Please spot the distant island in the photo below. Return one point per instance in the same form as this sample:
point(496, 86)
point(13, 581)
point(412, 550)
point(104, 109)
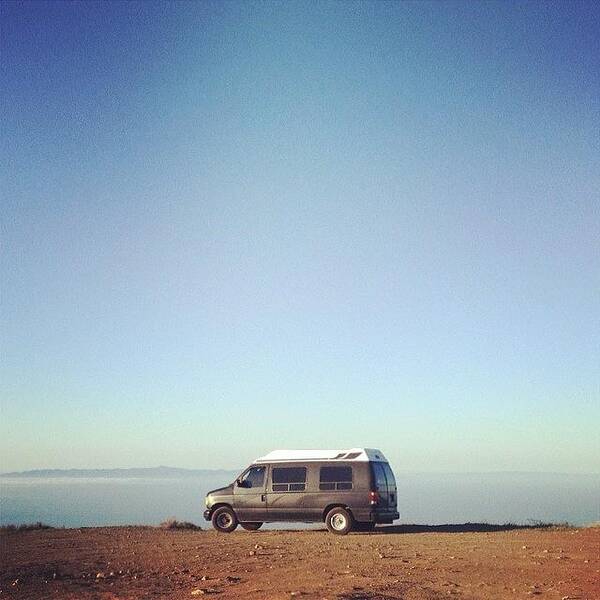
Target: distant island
point(140, 473)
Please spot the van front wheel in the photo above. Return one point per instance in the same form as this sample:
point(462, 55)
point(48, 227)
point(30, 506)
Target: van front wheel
point(339, 521)
point(224, 519)
point(251, 526)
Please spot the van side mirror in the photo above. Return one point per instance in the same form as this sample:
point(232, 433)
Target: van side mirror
point(244, 483)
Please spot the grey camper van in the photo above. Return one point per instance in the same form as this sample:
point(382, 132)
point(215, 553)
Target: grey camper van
point(346, 489)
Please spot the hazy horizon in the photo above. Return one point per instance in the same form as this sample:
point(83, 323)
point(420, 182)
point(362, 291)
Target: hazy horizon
point(429, 498)
point(240, 469)
point(229, 227)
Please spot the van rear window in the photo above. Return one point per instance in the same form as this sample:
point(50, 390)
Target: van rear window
point(389, 475)
point(380, 478)
point(289, 479)
point(335, 478)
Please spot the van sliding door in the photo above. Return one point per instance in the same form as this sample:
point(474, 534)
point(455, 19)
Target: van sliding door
point(287, 499)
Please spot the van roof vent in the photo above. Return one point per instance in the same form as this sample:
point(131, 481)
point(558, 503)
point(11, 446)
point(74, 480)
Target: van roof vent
point(354, 454)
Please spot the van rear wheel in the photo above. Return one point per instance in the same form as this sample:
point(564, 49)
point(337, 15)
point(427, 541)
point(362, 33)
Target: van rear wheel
point(224, 519)
point(339, 521)
point(251, 526)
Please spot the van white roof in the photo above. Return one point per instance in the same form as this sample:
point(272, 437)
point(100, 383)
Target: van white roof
point(354, 454)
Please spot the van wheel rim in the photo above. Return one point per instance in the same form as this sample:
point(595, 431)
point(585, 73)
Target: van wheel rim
point(338, 522)
point(224, 520)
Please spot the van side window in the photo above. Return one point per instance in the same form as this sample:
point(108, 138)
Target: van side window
point(335, 478)
point(254, 477)
point(289, 479)
point(351, 456)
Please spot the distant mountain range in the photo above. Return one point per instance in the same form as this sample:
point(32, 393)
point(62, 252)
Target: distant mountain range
point(140, 473)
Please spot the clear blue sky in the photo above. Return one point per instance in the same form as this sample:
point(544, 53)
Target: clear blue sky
point(228, 228)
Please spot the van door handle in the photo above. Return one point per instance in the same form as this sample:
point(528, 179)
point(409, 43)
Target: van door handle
point(263, 497)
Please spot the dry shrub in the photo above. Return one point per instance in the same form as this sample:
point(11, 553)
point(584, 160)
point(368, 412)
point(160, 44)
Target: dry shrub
point(25, 527)
point(173, 523)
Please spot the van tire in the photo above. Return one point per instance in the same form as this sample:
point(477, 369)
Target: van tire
point(251, 526)
point(224, 519)
point(339, 521)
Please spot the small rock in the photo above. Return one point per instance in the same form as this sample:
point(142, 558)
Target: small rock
point(251, 553)
point(100, 575)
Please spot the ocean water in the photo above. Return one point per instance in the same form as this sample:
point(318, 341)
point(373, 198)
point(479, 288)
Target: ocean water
point(422, 498)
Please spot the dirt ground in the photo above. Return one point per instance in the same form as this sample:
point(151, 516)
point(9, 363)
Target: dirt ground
point(403, 562)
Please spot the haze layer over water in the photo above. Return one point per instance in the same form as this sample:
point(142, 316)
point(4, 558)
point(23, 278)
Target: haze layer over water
point(423, 498)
